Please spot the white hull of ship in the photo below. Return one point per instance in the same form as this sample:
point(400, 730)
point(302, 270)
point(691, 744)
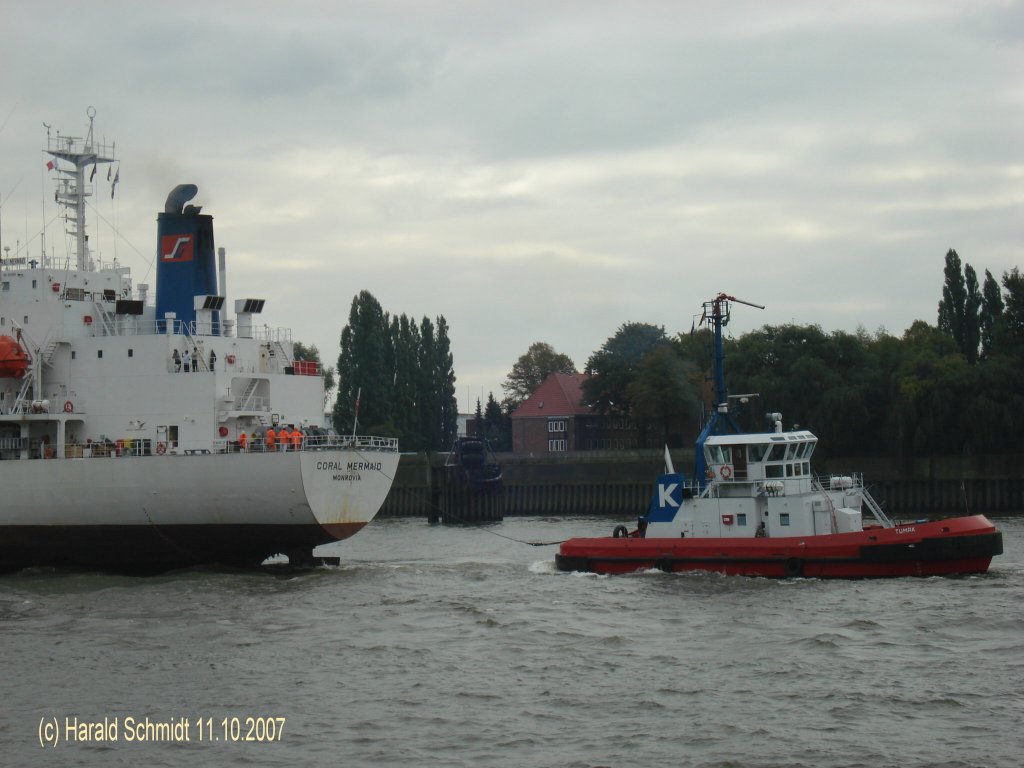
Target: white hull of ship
point(164, 511)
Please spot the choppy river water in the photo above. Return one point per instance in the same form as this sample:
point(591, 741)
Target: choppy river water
point(435, 646)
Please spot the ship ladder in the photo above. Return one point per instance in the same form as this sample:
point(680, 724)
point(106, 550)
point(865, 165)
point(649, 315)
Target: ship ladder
point(876, 509)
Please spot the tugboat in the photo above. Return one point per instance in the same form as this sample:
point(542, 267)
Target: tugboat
point(145, 432)
point(754, 508)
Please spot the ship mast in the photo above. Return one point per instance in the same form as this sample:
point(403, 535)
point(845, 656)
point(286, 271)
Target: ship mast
point(71, 187)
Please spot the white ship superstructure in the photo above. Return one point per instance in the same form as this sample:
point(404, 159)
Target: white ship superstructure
point(133, 424)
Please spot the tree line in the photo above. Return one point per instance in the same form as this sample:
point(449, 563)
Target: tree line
point(949, 388)
point(396, 378)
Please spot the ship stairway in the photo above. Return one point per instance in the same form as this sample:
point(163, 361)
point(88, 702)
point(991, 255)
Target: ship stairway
point(876, 509)
point(281, 355)
point(26, 385)
point(46, 353)
point(816, 484)
point(245, 401)
point(106, 317)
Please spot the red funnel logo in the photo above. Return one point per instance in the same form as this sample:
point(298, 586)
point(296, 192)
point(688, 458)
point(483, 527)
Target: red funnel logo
point(176, 248)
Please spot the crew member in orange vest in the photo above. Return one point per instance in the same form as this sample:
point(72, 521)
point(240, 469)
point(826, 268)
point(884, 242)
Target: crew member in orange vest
point(296, 439)
point(242, 440)
point(271, 439)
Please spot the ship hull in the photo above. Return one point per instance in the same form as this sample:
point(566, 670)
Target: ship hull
point(157, 513)
point(941, 548)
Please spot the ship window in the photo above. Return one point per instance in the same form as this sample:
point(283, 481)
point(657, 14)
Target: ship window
point(5, 285)
point(789, 470)
point(773, 470)
point(99, 353)
point(784, 518)
point(778, 452)
point(73, 354)
point(807, 467)
point(24, 320)
point(131, 353)
point(757, 452)
point(33, 283)
point(741, 518)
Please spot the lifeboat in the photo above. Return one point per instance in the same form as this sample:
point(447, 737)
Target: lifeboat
point(13, 360)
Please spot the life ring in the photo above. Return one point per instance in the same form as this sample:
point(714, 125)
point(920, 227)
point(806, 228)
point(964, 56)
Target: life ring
point(794, 567)
point(161, 449)
point(620, 532)
point(69, 407)
point(725, 471)
point(223, 431)
point(231, 359)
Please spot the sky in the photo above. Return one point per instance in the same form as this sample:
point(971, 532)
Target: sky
point(537, 171)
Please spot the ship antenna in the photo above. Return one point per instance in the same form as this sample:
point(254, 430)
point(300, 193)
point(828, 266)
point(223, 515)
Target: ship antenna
point(716, 314)
point(71, 187)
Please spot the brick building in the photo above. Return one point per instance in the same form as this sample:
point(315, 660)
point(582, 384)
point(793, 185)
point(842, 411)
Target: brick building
point(554, 420)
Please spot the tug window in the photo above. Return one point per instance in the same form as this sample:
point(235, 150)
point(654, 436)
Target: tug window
point(784, 518)
point(756, 453)
point(741, 518)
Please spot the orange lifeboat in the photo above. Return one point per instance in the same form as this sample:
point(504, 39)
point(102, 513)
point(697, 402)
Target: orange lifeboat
point(13, 360)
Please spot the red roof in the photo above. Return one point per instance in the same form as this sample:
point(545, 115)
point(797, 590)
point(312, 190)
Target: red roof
point(559, 395)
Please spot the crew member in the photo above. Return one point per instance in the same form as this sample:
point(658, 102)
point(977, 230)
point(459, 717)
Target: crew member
point(296, 439)
point(271, 438)
point(242, 440)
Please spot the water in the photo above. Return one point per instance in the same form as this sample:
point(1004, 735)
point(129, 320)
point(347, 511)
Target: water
point(440, 646)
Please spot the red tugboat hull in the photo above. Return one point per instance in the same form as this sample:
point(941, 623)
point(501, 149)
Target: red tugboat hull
point(963, 545)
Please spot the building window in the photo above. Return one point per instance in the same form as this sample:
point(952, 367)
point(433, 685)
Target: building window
point(556, 426)
point(556, 445)
point(784, 518)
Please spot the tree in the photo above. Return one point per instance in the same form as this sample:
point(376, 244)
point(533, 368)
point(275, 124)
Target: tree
point(401, 375)
point(530, 370)
point(959, 309)
point(972, 315)
point(990, 314)
point(497, 425)
point(664, 398)
point(365, 371)
point(614, 367)
point(1013, 311)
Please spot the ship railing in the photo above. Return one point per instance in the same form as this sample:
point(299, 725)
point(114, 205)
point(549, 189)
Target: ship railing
point(310, 443)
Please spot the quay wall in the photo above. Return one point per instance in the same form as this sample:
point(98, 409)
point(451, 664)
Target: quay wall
point(620, 483)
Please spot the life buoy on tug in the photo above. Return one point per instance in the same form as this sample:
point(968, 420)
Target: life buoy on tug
point(161, 449)
point(69, 407)
point(725, 471)
point(620, 532)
